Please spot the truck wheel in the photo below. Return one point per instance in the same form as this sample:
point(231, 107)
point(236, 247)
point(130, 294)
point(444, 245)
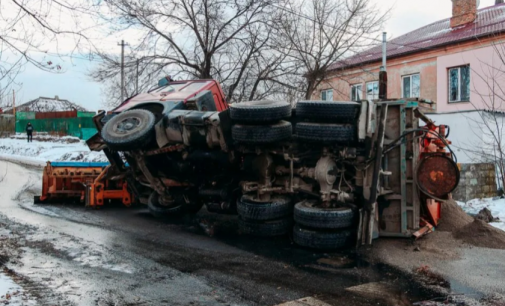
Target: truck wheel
point(253, 209)
point(260, 111)
point(265, 228)
point(161, 211)
point(320, 132)
point(262, 134)
point(129, 130)
point(339, 112)
point(307, 214)
point(324, 240)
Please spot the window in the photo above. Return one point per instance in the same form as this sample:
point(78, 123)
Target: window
point(411, 86)
point(327, 95)
point(356, 92)
point(459, 84)
point(372, 90)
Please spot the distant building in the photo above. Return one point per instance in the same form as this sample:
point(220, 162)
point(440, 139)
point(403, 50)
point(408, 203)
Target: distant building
point(46, 105)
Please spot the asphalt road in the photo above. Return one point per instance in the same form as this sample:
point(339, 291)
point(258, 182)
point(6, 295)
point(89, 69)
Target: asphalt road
point(65, 254)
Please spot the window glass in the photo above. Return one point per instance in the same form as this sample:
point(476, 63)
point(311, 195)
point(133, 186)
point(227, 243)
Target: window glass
point(454, 84)
point(411, 86)
point(372, 90)
point(406, 87)
point(356, 92)
point(465, 83)
point(459, 84)
point(195, 86)
point(416, 86)
point(327, 95)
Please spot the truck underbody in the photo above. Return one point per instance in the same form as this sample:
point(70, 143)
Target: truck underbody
point(338, 170)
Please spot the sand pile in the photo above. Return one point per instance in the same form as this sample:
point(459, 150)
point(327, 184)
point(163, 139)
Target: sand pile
point(453, 217)
point(470, 230)
point(481, 234)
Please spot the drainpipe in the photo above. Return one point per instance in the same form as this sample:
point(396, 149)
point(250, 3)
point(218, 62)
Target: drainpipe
point(383, 75)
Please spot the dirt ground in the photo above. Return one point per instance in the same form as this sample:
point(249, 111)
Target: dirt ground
point(68, 255)
point(463, 257)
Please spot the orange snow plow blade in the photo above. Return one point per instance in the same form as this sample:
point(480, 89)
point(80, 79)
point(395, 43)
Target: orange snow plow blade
point(86, 182)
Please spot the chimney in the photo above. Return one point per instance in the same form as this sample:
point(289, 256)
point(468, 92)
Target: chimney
point(463, 12)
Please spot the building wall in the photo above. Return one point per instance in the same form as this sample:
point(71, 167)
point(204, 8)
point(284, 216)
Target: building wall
point(476, 181)
point(485, 66)
point(471, 134)
point(397, 68)
point(432, 66)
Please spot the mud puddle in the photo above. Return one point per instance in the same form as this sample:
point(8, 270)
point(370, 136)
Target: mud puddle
point(345, 270)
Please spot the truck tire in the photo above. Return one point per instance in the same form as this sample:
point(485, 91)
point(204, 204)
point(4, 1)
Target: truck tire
point(262, 134)
point(324, 240)
point(257, 210)
point(307, 214)
point(327, 133)
point(129, 130)
point(337, 112)
point(270, 228)
point(260, 111)
point(161, 211)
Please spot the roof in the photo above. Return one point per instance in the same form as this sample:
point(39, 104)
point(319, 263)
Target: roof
point(44, 104)
point(490, 20)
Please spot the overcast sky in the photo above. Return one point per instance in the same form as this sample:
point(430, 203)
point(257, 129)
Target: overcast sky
point(74, 85)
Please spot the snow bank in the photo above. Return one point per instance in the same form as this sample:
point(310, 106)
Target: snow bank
point(495, 205)
point(46, 137)
point(54, 150)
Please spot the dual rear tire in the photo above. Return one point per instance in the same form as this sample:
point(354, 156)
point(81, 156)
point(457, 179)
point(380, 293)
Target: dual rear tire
point(261, 122)
point(323, 228)
point(265, 218)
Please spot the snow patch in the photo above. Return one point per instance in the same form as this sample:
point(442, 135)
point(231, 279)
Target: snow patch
point(495, 205)
point(49, 151)
point(12, 294)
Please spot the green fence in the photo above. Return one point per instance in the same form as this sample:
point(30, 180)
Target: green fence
point(86, 114)
point(25, 115)
point(81, 127)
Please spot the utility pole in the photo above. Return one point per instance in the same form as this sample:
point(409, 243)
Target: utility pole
point(122, 69)
point(137, 84)
point(383, 75)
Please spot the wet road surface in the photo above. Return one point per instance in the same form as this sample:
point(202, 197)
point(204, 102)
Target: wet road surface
point(70, 255)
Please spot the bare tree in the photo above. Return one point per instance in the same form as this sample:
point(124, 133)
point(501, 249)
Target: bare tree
point(322, 32)
point(29, 30)
point(489, 122)
point(226, 40)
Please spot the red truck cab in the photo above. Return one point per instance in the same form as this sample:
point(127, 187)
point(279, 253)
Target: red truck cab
point(202, 95)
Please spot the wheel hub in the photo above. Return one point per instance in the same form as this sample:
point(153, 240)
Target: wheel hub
point(127, 125)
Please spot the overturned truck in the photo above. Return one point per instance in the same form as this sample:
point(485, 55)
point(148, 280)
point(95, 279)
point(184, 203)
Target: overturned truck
point(327, 172)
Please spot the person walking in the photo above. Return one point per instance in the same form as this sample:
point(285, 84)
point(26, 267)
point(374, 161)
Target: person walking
point(29, 131)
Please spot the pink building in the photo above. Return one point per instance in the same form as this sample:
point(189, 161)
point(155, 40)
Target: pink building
point(447, 62)
point(458, 63)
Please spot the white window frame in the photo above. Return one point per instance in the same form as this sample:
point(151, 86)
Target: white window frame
point(458, 100)
point(355, 86)
point(410, 77)
point(366, 90)
point(326, 91)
